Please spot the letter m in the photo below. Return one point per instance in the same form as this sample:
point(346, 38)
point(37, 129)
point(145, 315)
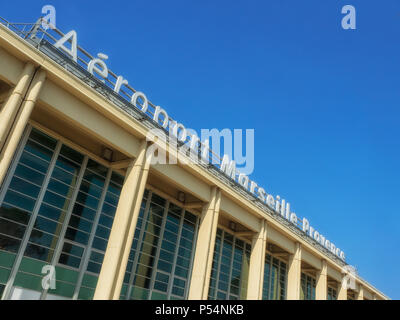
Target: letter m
point(228, 167)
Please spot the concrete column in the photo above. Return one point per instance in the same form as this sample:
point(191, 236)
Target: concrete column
point(294, 274)
point(342, 289)
point(257, 264)
point(321, 292)
point(360, 293)
point(21, 120)
point(14, 101)
point(131, 233)
point(204, 252)
point(116, 257)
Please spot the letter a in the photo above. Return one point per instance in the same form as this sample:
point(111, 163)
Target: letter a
point(349, 20)
point(73, 52)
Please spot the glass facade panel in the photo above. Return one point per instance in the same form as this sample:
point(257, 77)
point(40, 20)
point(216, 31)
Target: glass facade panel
point(97, 182)
point(18, 201)
point(275, 279)
point(307, 288)
point(332, 293)
point(161, 252)
point(57, 208)
point(54, 211)
point(230, 268)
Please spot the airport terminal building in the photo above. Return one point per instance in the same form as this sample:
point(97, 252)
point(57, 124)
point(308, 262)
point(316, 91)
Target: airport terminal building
point(79, 196)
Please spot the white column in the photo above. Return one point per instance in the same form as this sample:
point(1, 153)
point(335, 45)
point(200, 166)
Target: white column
point(321, 292)
point(294, 274)
point(116, 257)
point(257, 264)
point(342, 290)
point(360, 293)
point(204, 252)
point(14, 101)
point(20, 122)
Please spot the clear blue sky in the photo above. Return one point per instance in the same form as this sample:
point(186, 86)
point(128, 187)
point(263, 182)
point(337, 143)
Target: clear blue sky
point(324, 102)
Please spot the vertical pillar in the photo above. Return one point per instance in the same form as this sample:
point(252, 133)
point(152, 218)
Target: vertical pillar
point(294, 274)
point(257, 264)
point(322, 282)
point(20, 122)
point(360, 294)
point(14, 101)
point(342, 290)
point(204, 252)
point(116, 256)
point(132, 229)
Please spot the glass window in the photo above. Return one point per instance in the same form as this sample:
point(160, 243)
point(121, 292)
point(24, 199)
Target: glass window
point(19, 200)
point(275, 277)
point(332, 293)
point(230, 268)
point(55, 173)
point(39, 252)
point(21, 194)
point(10, 213)
point(308, 287)
point(24, 172)
point(36, 151)
point(161, 266)
point(43, 139)
point(9, 244)
point(11, 228)
point(95, 182)
point(64, 203)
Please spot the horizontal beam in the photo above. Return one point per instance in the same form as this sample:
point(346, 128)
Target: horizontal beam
point(309, 270)
point(122, 164)
point(194, 205)
point(244, 233)
point(280, 254)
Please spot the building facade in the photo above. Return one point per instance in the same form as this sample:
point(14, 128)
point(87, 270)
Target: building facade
point(80, 202)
